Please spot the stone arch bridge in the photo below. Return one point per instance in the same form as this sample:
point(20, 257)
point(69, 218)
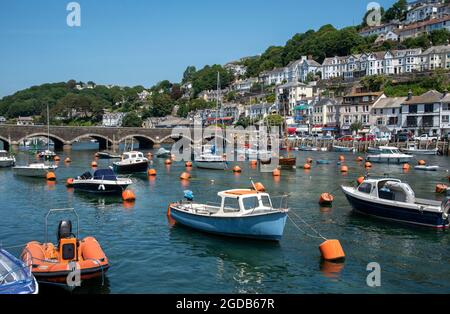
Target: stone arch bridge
point(64, 136)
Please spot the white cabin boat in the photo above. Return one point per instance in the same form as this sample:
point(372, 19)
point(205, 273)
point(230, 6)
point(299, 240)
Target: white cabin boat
point(390, 155)
point(414, 150)
point(6, 160)
point(39, 170)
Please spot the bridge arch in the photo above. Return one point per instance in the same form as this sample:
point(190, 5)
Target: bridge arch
point(58, 141)
point(5, 142)
point(145, 142)
point(103, 141)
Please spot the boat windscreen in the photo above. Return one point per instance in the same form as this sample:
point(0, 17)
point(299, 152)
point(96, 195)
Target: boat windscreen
point(104, 174)
point(86, 176)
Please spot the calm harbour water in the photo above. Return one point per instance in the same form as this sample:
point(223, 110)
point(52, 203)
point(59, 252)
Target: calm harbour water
point(148, 255)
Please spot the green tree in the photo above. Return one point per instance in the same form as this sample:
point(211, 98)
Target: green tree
point(132, 120)
point(188, 74)
point(440, 37)
point(396, 12)
point(274, 120)
point(161, 105)
point(356, 126)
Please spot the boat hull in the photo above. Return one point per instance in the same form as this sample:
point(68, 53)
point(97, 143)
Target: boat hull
point(99, 188)
point(262, 227)
point(131, 168)
point(213, 165)
point(397, 213)
point(343, 149)
point(389, 160)
point(32, 173)
point(7, 163)
point(103, 155)
point(421, 152)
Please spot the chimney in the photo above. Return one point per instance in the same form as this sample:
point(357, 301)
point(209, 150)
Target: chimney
point(310, 57)
point(445, 93)
point(410, 94)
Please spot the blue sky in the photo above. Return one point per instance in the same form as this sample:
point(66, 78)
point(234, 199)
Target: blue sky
point(137, 42)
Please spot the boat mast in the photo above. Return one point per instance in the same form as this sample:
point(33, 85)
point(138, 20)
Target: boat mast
point(217, 109)
point(48, 129)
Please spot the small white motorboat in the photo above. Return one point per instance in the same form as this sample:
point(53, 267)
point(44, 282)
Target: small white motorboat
point(6, 160)
point(427, 168)
point(390, 155)
point(47, 154)
point(343, 149)
point(413, 150)
point(211, 161)
point(34, 170)
point(131, 162)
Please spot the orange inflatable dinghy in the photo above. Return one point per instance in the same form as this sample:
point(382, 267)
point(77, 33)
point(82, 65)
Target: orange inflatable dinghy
point(53, 263)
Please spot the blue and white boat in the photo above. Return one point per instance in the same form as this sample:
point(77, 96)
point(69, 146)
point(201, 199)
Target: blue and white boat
point(343, 149)
point(15, 276)
point(241, 213)
point(394, 200)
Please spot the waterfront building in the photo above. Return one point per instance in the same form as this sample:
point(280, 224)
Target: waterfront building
point(113, 119)
point(391, 35)
point(143, 95)
point(289, 95)
point(325, 115)
point(386, 113)
point(445, 115)
point(422, 114)
point(309, 66)
point(422, 12)
point(357, 107)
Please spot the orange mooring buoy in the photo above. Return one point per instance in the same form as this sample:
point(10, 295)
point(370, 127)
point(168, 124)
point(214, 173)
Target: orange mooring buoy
point(151, 172)
point(331, 250)
point(307, 166)
point(259, 187)
point(341, 158)
point(128, 196)
point(94, 164)
point(149, 155)
point(406, 166)
point(253, 163)
point(441, 188)
point(56, 158)
point(168, 162)
point(237, 169)
point(368, 165)
point(67, 160)
point(276, 173)
point(422, 162)
point(97, 155)
point(188, 164)
point(326, 199)
point(344, 169)
point(69, 182)
point(309, 160)
point(51, 176)
point(185, 176)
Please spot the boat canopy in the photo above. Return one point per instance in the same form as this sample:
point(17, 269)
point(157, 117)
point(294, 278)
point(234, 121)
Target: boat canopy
point(105, 174)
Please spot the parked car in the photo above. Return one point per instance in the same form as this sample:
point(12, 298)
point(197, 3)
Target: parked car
point(367, 138)
point(402, 137)
point(426, 138)
point(346, 138)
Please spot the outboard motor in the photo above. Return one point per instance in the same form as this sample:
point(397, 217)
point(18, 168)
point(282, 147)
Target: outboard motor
point(67, 243)
point(64, 229)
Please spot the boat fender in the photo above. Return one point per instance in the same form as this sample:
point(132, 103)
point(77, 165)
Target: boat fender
point(101, 187)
